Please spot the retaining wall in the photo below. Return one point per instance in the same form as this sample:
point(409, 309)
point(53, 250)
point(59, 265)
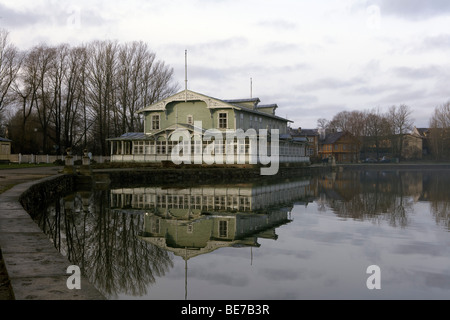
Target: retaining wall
point(36, 269)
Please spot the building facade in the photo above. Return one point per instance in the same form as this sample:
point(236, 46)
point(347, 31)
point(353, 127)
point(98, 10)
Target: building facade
point(343, 146)
point(225, 128)
point(312, 137)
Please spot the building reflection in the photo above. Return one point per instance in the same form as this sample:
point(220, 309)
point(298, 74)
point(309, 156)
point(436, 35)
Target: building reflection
point(126, 238)
point(196, 220)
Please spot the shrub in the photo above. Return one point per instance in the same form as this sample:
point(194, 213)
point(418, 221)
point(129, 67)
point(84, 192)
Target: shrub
point(58, 162)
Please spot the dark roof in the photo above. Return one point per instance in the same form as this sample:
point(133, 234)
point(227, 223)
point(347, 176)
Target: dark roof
point(5, 140)
point(242, 100)
point(299, 139)
point(422, 130)
point(333, 137)
point(273, 105)
point(131, 136)
point(304, 132)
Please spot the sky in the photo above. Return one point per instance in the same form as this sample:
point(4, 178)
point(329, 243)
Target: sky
point(312, 58)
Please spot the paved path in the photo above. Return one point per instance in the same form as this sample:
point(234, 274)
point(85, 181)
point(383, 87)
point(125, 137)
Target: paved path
point(35, 268)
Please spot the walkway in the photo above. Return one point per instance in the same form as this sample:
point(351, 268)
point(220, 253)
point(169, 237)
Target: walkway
point(36, 269)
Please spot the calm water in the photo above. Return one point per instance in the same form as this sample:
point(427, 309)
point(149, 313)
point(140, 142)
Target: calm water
point(291, 239)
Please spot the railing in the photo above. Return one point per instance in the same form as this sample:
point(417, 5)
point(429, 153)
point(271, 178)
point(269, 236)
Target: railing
point(46, 158)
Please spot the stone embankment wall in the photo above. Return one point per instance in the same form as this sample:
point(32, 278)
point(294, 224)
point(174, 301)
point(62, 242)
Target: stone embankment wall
point(198, 175)
point(37, 197)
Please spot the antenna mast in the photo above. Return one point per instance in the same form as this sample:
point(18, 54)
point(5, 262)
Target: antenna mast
point(251, 88)
point(185, 75)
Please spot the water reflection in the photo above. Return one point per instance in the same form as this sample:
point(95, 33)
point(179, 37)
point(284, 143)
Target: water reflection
point(104, 243)
point(385, 195)
point(125, 239)
point(198, 220)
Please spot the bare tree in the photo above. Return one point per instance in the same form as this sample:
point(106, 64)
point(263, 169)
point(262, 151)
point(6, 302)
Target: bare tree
point(376, 131)
point(440, 132)
point(28, 85)
point(101, 73)
point(400, 124)
point(10, 61)
point(351, 121)
point(83, 95)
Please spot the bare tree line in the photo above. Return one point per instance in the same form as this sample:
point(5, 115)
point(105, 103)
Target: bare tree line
point(55, 97)
point(374, 128)
point(383, 132)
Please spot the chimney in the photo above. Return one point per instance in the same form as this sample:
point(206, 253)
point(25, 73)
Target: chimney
point(322, 134)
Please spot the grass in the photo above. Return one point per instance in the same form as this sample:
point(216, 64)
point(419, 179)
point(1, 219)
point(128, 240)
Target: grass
point(25, 165)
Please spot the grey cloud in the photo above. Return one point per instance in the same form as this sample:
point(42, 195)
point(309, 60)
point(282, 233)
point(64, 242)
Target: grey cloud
point(418, 73)
point(278, 24)
point(277, 47)
point(440, 42)
point(301, 100)
point(412, 9)
point(212, 46)
point(14, 18)
point(331, 83)
point(235, 42)
point(410, 97)
point(378, 89)
point(54, 13)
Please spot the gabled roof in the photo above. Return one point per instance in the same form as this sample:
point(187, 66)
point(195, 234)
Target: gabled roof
point(422, 131)
point(333, 137)
point(304, 132)
point(211, 103)
point(238, 101)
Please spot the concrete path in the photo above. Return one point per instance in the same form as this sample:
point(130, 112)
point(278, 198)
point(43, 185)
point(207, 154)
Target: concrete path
point(35, 267)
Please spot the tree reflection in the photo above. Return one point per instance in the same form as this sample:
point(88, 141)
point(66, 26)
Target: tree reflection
point(372, 195)
point(437, 194)
point(104, 243)
point(115, 235)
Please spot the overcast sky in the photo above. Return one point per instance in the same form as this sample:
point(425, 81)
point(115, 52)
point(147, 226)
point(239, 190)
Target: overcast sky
point(313, 58)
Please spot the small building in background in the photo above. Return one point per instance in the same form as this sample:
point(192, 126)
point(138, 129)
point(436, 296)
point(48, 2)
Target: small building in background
point(343, 146)
point(312, 136)
point(5, 149)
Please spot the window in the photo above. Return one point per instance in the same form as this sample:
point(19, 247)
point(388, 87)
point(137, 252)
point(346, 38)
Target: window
point(190, 120)
point(223, 120)
point(223, 228)
point(155, 122)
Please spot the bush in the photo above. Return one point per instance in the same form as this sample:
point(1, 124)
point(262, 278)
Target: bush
point(58, 162)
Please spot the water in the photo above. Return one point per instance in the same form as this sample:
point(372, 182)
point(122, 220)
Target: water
point(290, 239)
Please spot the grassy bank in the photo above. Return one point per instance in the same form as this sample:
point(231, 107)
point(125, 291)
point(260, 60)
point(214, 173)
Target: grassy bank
point(24, 165)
